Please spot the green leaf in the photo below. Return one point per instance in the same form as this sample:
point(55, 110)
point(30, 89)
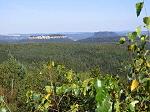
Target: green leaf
point(69, 75)
point(53, 64)
point(139, 7)
point(74, 108)
point(1, 98)
point(48, 89)
point(3, 110)
point(132, 105)
point(132, 47)
point(86, 84)
point(63, 89)
point(99, 83)
point(29, 94)
point(101, 95)
point(117, 106)
point(139, 62)
point(138, 30)
point(148, 27)
point(143, 38)
point(36, 96)
point(132, 36)
point(76, 91)
point(105, 106)
point(122, 40)
point(47, 105)
point(145, 80)
point(146, 20)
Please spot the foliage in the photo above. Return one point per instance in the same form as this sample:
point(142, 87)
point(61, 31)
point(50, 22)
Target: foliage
point(139, 76)
point(139, 7)
point(106, 92)
point(12, 74)
point(73, 94)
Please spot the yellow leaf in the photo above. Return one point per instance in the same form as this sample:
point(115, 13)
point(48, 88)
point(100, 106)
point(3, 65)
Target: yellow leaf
point(134, 84)
point(148, 64)
point(47, 96)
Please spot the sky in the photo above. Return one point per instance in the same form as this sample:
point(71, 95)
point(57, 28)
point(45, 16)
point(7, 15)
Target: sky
point(46, 16)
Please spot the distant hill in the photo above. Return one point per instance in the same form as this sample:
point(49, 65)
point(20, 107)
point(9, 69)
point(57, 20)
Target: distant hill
point(79, 35)
point(89, 37)
point(12, 38)
point(102, 37)
point(105, 34)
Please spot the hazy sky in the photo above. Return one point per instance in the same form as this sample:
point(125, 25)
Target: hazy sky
point(44, 16)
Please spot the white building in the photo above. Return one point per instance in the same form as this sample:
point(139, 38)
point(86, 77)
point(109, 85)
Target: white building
point(55, 36)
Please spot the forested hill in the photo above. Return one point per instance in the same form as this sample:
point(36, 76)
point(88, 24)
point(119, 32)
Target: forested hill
point(102, 37)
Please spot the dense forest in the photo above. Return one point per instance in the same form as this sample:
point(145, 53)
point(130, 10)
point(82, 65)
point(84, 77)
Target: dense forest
point(74, 56)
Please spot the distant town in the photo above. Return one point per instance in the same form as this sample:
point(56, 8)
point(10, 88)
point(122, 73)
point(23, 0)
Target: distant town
point(52, 36)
